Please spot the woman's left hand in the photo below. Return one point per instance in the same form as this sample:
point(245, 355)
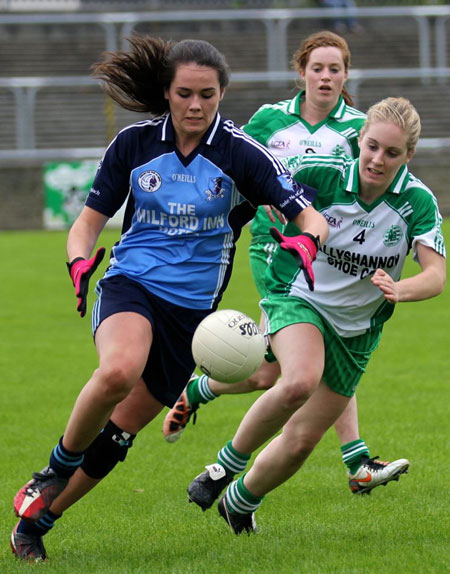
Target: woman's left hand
point(387, 285)
point(424, 285)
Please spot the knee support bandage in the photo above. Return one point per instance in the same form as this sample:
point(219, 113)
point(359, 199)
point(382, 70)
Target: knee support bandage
point(110, 447)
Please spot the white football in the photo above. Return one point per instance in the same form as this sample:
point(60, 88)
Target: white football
point(228, 346)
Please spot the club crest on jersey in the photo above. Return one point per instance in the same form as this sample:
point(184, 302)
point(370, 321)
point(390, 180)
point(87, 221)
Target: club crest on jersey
point(289, 183)
point(215, 190)
point(291, 162)
point(392, 236)
point(338, 150)
point(149, 181)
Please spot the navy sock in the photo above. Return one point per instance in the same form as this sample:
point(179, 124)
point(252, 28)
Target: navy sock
point(40, 527)
point(64, 462)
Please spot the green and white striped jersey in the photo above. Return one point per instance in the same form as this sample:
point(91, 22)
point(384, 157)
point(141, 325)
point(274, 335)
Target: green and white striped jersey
point(281, 129)
point(362, 238)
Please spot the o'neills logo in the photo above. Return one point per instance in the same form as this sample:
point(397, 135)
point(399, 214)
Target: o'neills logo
point(149, 181)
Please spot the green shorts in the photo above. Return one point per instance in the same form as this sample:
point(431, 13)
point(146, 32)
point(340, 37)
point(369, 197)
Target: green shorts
point(260, 255)
point(346, 358)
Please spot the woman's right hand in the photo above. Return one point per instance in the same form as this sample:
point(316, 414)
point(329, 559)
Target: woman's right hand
point(270, 210)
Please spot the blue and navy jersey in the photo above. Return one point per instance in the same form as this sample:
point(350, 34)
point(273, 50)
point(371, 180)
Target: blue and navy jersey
point(184, 214)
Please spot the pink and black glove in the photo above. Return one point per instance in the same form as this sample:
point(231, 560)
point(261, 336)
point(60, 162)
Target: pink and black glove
point(303, 247)
point(80, 271)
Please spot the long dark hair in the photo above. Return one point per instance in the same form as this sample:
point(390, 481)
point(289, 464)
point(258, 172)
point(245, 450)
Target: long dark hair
point(136, 79)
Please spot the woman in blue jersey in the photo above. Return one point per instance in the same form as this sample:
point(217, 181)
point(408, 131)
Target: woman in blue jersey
point(191, 181)
point(378, 212)
point(320, 119)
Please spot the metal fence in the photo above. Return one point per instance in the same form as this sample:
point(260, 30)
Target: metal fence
point(431, 37)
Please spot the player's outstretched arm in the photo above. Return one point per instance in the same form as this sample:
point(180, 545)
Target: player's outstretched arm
point(81, 241)
point(304, 247)
point(426, 284)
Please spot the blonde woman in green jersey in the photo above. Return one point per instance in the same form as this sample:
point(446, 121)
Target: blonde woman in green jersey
point(320, 119)
point(377, 212)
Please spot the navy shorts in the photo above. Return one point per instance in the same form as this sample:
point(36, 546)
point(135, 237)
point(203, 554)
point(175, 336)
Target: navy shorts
point(170, 363)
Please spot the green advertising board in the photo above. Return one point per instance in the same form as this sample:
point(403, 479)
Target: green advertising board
point(66, 186)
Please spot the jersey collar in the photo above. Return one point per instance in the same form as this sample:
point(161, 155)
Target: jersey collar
point(167, 131)
point(400, 182)
point(398, 186)
point(337, 112)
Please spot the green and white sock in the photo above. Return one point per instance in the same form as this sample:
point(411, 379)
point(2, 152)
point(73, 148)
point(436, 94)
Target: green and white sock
point(240, 500)
point(352, 454)
point(234, 462)
point(198, 391)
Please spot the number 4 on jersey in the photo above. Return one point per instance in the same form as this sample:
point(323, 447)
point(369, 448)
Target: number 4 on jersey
point(360, 237)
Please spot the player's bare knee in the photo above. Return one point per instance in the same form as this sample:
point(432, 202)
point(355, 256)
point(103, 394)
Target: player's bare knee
point(260, 382)
point(115, 381)
point(295, 392)
point(298, 447)
point(300, 452)
point(265, 377)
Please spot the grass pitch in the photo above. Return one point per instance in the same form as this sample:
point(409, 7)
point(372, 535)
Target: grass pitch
point(138, 520)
